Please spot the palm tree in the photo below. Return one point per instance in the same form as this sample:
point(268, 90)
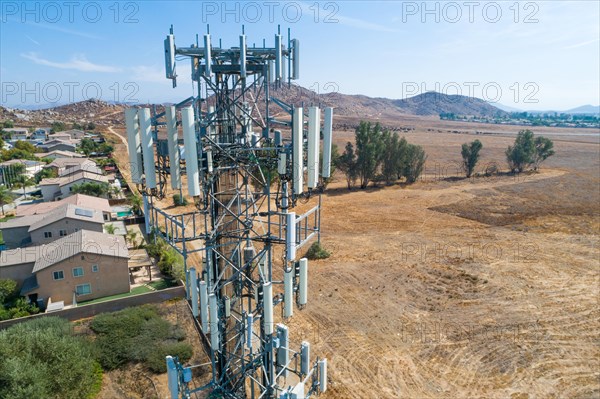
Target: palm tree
point(136, 203)
point(23, 181)
point(110, 228)
point(131, 237)
point(5, 197)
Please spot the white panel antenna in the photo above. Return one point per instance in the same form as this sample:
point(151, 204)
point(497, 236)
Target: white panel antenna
point(283, 353)
point(243, 56)
point(193, 279)
point(290, 238)
point(303, 282)
point(172, 142)
point(204, 306)
point(170, 58)
point(305, 357)
point(327, 142)
point(278, 58)
point(323, 375)
point(207, 56)
point(288, 293)
point(147, 146)
point(191, 150)
point(172, 378)
point(314, 124)
point(134, 145)
point(295, 72)
point(214, 322)
point(268, 308)
point(298, 156)
point(249, 331)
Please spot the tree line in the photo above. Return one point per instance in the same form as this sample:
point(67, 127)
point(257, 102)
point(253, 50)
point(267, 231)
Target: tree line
point(379, 155)
point(527, 152)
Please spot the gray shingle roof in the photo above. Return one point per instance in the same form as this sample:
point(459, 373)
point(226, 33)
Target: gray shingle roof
point(67, 211)
point(82, 200)
point(83, 241)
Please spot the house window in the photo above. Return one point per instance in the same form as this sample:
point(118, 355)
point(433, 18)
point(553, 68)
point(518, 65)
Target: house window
point(47, 234)
point(83, 289)
point(62, 233)
point(77, 271)
point(95, 268)
point(58, 275)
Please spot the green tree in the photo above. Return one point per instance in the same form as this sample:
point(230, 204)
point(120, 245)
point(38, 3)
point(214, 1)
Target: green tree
point(543, 149)
point(347, 164)
point(46, 173)
point(8, 124)
point(393, 157)
point(58, 127)
point(6, 197)
point(87, 146)
point(91, 188)
point(31, 355)
point(26, 146)
point(136, 202)
point(131, 237)
point(91, 126)
point(470, 156)
point(522, 153)
point(369, 146)
point(110, 228)
point(414, 162)
point(23, 181)
point(8, 289)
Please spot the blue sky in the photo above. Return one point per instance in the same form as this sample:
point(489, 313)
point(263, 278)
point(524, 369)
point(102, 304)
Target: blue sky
point(526, 54)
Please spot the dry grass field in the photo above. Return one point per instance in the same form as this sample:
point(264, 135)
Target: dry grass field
point(462, 288)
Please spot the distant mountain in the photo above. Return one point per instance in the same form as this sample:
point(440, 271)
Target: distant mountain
point(506, 107)
point(585, 109)
point(433, 103)
point(427, 104)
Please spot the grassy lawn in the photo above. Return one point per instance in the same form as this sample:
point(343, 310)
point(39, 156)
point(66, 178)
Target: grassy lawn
point(162, 284)
point(136, 291)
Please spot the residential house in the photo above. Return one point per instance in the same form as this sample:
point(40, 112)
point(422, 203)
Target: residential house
point(81, 266)
point(40, 134)
point(56, 144)
point(30, 167)
point(74, 134)
point(17, 133)
point(17, 264)
point(59, 136)
point(46, 227)
point(81, 200)
point(70, 166)
point(60, 187)
point(59, 154)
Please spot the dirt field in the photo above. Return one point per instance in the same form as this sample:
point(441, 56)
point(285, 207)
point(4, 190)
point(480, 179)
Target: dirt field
point(456, 288)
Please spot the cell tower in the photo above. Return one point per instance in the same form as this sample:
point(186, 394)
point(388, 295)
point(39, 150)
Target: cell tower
point(246, 178)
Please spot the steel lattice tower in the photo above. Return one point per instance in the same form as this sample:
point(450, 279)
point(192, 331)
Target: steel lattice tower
point(245, 184)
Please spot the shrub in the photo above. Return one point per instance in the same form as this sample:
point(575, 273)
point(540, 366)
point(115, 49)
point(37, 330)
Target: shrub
point(35, 355)
point(156, 359)
point(470, 156)
point(140, 335)
point(316, 251)
point(179, 200)
point(414, 163)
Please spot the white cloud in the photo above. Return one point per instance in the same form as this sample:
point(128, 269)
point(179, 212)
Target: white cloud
point(32, 40)
point(78, 62)
point(155, 74)
point(583, 43)
point(63, 30)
